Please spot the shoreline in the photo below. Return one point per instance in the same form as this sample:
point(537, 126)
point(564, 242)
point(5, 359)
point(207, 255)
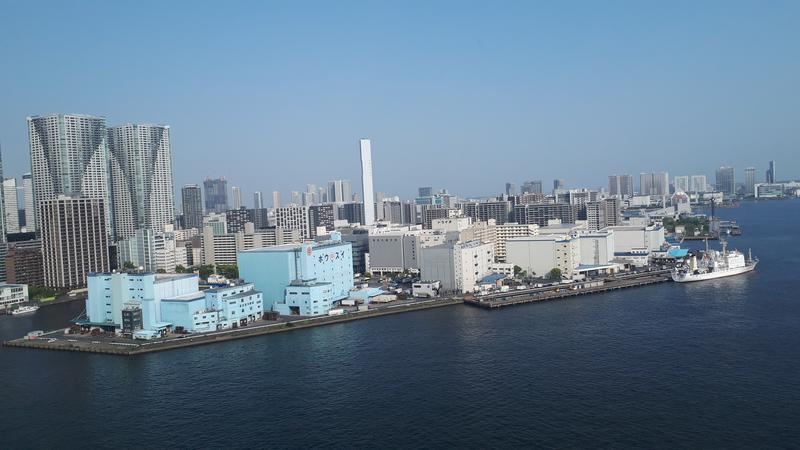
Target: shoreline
point(57, 340)
point(134, 348)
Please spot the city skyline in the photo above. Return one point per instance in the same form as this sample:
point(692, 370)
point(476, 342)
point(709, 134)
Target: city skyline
point(415, 102)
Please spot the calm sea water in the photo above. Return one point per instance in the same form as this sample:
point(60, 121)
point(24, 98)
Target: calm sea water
point(713, 364)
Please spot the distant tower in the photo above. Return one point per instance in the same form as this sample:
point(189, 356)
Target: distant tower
point(366, 181)
point(258, 200)
point(216, 192)
point(27, 193)
point(558, 184)
point(276, 199)
point(236, 193)
point(750, 180)
point(771, 172)
point(192, 204)
point(10, 205)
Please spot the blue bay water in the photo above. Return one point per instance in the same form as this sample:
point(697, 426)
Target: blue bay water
point(705, 365)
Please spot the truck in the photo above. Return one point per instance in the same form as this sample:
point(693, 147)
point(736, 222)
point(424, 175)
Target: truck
point(336, 312)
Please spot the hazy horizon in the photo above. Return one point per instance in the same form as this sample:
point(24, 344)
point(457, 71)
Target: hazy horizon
point(274, 97)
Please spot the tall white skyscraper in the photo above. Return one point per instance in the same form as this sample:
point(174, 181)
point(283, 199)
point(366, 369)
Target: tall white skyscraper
point(27, 197)
point(654, 183)
point(10, 205)
point(276, 199)
point(258, 200)
point(69, 156)
point(141, 177)
point(366, 181)
point(236, 193)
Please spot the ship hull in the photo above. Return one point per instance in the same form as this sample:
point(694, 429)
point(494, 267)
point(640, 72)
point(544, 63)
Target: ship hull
point(713, 275)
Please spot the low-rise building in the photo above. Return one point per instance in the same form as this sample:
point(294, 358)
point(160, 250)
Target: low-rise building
point(12, 294)
point(539, 255)
point(146, 305)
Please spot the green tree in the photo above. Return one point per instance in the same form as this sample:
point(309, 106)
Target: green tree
point(517, 270)
point(180, 269)
point(128, 265)
point(205, 271)
point(230, 271)
point(555, 273)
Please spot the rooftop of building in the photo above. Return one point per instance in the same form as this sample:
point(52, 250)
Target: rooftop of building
point(222, 289)
point(197, 295)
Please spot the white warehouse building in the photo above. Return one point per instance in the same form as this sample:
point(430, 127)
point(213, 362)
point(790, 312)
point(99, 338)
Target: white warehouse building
point(458, 266)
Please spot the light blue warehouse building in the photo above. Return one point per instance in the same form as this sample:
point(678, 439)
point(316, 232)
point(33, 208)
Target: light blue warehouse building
point(167, 301)
point(301, 279)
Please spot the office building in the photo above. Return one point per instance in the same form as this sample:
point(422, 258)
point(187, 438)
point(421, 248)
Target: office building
point(74, 240)
point(366, 181)
point(322, 217)
point(770, 178)
point(258, 200)
point(156, 252)
point(340, 191)
point(216, 194)
point(295, 218)
point(698, 184)
point(458, 266)
point(620, 185)
point(3, 231)
point(726, 181)
point(192, 204)
point(532, 187)
point(24, 264)
point(141, 178)
point(654, 183)
point(27, 193)
point(12, 294)
point(352, 212)
point(681, 183)
point(218, 222)
point(493, 210)
point(236, 219)
point(301, 279)
point(236, 195)
point(83, 141)
point(558, 184)
point(10, 205)
point(750, 181)
point(295, 198)
point(769, 190)
point(511, 189)
point(432, 214)
point(260, 218)
point(222, 248)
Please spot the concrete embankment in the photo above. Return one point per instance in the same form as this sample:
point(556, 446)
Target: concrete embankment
point(513, 298)
point(58, 341)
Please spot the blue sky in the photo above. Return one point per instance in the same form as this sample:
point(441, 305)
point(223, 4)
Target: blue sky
point(454, 94)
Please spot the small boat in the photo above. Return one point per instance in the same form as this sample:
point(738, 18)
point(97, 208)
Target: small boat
point(24, 310)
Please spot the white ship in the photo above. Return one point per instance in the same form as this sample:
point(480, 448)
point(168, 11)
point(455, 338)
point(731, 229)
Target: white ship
point(714, 264)
point(24, 310)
